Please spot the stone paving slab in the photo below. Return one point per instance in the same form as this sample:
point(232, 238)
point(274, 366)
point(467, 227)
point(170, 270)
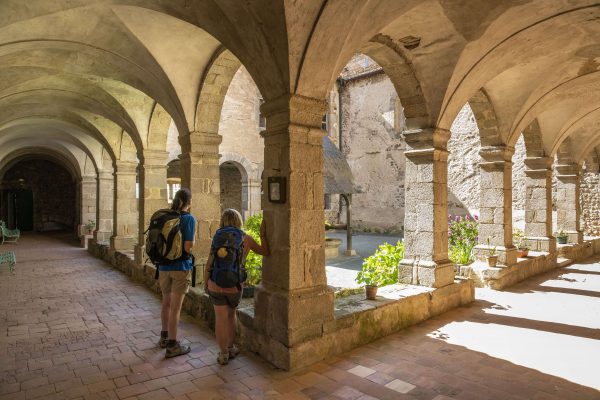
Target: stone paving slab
point(71, 327)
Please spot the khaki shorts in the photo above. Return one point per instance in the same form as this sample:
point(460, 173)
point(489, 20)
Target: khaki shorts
point(177, 282)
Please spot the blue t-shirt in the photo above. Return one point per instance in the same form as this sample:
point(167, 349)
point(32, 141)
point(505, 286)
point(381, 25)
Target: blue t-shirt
point(188, 228)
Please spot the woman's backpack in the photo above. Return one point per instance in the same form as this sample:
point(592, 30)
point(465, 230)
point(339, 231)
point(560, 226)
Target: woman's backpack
point(228, 250)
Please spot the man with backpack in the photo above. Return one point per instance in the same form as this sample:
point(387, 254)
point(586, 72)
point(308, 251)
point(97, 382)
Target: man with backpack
point(224, 277)
point(169, 243)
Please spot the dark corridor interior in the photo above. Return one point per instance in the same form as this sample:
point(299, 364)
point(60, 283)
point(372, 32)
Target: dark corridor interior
point(38, 195)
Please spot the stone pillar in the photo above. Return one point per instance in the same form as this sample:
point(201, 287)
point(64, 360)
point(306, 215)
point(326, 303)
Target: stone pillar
point(495, 220)
point(104, 206)
point(568, 204)
point(87, 188)
point(425, 259)
point(125, 215)
point(538, 204)
point(293, 303)
point(251, 192)
point(200, 174)
point(153, 194)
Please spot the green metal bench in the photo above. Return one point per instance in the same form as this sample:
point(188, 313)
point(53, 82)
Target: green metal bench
point(8, 257)
point(9, 235)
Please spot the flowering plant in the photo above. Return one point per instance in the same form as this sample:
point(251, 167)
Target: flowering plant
point(462, 238)
point(519, 239)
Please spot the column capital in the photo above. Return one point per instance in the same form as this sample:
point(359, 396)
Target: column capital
point(88, 179)
point(200, 158)
point(424, 142)
point(567, 172)
point(125, 167)
point(200, 142)
point(154, 158)
point(103, 174)
point(500, 153)
point(292, 109)
point(538, 167)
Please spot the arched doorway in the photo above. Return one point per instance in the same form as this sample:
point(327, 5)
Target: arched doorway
point(39, 195)
point(231, 187)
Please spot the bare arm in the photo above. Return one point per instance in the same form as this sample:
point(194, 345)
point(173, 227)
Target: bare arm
point(188, 245)
point(262, 248)
point(207, 271)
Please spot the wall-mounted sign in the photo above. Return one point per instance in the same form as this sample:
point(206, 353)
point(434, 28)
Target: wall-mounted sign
point(277, 189)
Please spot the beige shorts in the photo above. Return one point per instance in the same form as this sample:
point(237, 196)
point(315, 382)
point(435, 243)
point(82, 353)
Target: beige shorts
point(177, 282)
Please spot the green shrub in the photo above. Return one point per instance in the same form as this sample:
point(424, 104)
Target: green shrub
point(462, 238)
point(381, 268)
point(253, 260)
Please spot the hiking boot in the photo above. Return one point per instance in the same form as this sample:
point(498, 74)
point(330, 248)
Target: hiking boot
point(177, 350)
point(233, 352)
point(162, 343)
point(223, 358)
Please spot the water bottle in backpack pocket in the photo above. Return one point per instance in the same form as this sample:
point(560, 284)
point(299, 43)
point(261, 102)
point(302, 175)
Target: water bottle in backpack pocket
point(227, 250)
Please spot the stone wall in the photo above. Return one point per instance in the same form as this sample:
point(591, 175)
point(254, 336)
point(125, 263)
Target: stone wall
point(54, 197)
point(590, 203)
point(231, 187)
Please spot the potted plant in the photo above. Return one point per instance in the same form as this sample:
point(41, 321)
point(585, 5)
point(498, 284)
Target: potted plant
point(562, 237)
point(381, 268)
point(89, 226)
point(519, 240)
point(492, 258)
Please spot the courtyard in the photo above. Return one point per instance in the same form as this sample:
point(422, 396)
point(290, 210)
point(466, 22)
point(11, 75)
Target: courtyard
point(72, 327)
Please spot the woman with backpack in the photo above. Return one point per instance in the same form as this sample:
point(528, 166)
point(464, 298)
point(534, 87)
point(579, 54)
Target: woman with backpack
point(175, 277)
point(224, 277)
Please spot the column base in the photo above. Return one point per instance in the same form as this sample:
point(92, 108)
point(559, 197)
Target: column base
point(350, 253)
point(426, 273)
point(542, 243)
point(575, 237)
point(139, 252)
point(506, 255)
point(101, 236)
point(290, 318)
point(121, 242)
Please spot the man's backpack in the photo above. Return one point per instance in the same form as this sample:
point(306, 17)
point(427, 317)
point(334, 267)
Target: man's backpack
point(164, 239)
point(227, 250)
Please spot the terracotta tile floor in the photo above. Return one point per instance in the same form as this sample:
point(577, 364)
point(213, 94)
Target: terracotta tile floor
point(72, 327)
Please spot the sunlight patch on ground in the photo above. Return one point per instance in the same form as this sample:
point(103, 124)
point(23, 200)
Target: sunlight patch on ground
point(569, 357)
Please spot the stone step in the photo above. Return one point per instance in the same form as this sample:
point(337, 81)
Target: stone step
point(563, 262)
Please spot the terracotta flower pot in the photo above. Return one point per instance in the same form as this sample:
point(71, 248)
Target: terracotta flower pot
point(522, 253)
point(371, 292)
point(492, 261)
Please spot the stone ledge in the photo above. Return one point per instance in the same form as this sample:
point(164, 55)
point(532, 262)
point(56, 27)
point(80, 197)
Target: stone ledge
point(536, 263)
point(357, 321)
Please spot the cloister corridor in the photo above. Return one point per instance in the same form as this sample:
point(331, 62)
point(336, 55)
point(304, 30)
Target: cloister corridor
point(72, 327)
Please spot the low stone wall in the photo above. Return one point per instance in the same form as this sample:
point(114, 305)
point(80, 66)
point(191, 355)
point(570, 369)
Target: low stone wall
point(536, 263)
point(357, 321)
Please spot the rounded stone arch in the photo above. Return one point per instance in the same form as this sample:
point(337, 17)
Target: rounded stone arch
point(564, 152)
point(62, 157)
point(158, 128)
point(532, 136)
point(213, 87)
point(485, 117)
point(250, 180)
point(397, 66)
point(247, 170)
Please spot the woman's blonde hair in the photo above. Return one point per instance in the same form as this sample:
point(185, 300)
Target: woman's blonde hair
point(231, 217)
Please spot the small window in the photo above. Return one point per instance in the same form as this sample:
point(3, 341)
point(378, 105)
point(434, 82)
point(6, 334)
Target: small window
point(325, 122)
point(328, 202)
point(262, 120)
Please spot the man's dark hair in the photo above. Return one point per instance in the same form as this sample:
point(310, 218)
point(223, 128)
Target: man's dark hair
point(182, 198)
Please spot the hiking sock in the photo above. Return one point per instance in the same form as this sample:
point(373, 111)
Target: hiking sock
point(171, 343)
point(164, 334)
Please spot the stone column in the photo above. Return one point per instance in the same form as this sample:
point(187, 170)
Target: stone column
point(426, 210)
point(293, 303)
point(125, 210)
point(495, 221)
point(87, 202)
point(200, 173)
point(251, 189)
point(104, 206)
point(568, 206)
point(153, 194)
point(538, 204)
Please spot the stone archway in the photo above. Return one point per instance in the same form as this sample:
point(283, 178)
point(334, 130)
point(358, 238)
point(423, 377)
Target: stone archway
point(40, 194)
point(231, 187)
